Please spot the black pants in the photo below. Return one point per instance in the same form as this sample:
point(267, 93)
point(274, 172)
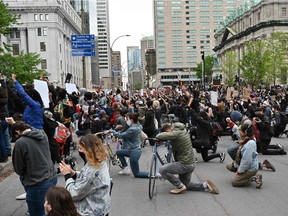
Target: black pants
point(269, 149)
point(204, 148)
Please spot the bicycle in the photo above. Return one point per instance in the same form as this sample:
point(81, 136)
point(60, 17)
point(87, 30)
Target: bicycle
point(112, 157)
point(154, 163)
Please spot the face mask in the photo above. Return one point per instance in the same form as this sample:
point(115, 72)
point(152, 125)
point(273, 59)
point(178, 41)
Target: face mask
point(128, 122)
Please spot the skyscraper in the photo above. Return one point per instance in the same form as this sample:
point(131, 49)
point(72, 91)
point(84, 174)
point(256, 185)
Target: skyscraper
point(146, 44)
point(104, 50)
point(89, 26)
point(134, 64)
point(182, 30)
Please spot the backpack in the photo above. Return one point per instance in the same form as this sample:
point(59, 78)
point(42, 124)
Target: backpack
point(283, 118)
point(217, 130)
point(61, 133)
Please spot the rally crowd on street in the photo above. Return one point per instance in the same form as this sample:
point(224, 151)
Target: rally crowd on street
point(189, 118)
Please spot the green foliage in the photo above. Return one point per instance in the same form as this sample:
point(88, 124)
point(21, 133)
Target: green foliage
point(277, 47)
point(254, 62)
point(229, 67)
point(24, 66)
point(137, 86)
point(6, 18)
point(209, 61)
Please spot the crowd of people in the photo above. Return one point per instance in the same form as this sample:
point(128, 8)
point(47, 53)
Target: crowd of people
point(251, 123)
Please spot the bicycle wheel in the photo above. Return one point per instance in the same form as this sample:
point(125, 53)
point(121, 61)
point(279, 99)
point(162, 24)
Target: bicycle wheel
point(152, 177)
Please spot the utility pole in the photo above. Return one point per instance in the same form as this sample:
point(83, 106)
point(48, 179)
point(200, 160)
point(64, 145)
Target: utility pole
point(203, 69)
point(83, 57)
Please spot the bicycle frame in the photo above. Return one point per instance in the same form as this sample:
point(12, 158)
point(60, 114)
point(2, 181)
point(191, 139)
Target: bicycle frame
point(154, 163)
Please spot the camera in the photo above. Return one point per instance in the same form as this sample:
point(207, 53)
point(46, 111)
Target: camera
point(72, 161)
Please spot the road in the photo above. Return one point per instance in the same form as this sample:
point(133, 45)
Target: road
point(130, 195)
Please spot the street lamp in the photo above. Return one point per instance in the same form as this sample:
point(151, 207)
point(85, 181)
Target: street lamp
point(118, 38)
point(111, 53)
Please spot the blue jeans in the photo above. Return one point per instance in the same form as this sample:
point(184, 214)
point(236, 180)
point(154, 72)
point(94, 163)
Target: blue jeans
point(7, 139)
point(3, 148)
point(35, 197)
point(232, 150)
point(134, 157)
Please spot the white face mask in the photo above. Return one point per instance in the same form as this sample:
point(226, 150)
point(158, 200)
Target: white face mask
point(128, 122)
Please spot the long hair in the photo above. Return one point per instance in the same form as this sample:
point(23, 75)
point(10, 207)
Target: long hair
point(61, 202)
point(34, 94)
point(95, 151)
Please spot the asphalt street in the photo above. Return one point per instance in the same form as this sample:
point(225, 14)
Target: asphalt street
point(130, 195)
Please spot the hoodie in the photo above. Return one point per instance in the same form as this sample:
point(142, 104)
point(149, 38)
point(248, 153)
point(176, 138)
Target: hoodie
point(181, 143)
point(31, 158)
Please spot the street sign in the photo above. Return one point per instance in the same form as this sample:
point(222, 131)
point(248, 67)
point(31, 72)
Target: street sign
point(83, 45)
point(83, 52)
point(83, 38)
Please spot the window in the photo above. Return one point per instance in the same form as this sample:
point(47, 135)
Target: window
point(39, 30)
point(42, 46)
point(17, 33)
point(176, 8)
point(259, 16)
point(60, 48)
point(43, 64)
point(41, 17)
point(46, 17)
point(283, 11)
point(44, 31)
point(16, 49)
point(35, 17)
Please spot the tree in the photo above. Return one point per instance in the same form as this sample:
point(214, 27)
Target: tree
point(208, 68)
point(23, 65)
point(277, 47)
point(137, 86)
point(229, 67)
point(254, 62)
point(6, 20)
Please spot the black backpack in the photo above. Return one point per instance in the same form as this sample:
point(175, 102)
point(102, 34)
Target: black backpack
point(217, 130)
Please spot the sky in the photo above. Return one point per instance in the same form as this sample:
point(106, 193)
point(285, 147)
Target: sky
point(129, 17)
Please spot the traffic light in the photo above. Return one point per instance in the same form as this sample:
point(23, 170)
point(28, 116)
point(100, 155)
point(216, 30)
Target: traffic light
point(202, 55)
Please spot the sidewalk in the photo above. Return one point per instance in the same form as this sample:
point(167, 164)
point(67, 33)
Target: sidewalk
point(7, 167)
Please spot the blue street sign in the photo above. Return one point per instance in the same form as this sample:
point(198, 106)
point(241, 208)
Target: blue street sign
point(83, 52)
point(83, 45)
point(82, 38)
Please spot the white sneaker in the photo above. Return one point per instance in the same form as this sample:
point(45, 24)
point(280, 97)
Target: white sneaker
point(125, 171)
point(21, 197)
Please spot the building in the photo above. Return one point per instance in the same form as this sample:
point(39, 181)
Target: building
point(89, 26)
point(117, 69)
point(104, 49)
point(45, 28)
point(146, 44)
point(133, 63)
point(182, 30)
point(251, 22)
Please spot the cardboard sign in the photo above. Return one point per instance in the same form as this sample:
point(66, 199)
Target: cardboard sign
point(246, 94)
point(228, 95)
point(235, 94)
point(71, 87)
point(42, 88)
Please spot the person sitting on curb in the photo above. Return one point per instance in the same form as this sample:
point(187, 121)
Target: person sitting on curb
point(184, 164)
point(246, 162)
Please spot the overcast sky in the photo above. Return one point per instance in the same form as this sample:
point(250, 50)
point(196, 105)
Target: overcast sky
point(133, 17)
